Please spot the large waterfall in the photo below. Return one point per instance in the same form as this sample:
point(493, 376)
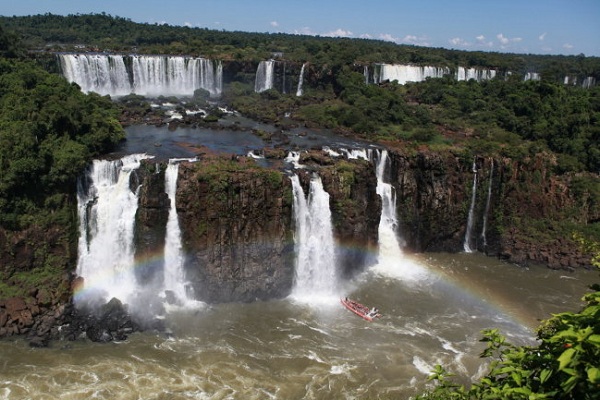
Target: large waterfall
point(264, 76)
point(467, 244)
point(107, 205)
point(301, 80)
point(148, 76)
point(316, 269)
point(103, 74)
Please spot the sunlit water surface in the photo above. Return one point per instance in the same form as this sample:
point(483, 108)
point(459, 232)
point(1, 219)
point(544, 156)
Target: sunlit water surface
point(434, 308)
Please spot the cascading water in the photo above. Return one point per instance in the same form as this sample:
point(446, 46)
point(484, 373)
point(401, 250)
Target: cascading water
point(174, 75)
point(301, 80)
point(467, 244)
point(409, 73)
point(103, 74)
point(465, 74)
point(316, 269)
point(149, 76)
point(264, 76)
point(487, 205)
point(390, 261)
point(107, 206)
point(174, 273)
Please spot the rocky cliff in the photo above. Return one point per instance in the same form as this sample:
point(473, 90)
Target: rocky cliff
point(528, 216)
point(237, 223)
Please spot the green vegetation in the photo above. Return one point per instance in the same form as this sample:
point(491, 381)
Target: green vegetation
point(49, 132)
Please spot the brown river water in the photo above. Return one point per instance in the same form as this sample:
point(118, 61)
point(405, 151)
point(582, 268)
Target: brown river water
point(434, 307)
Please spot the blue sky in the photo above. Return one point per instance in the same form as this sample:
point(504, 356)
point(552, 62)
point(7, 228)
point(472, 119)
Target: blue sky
point(519, 26)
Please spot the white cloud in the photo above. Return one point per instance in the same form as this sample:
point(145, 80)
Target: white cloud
point(305, 30)
point(503, 40)
point(338, 33)
point(459, 42)
point(542, 36)
point(274, 24)
point(388, 37)
point(416, 40)
point(480, 38)
point(366, 36)
point(567, 46)
point(188, 24)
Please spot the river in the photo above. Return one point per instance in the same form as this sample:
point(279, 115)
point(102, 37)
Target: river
point(434, 307)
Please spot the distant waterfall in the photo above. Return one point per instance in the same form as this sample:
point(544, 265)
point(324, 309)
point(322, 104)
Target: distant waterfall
point(316, 270)
point(300, 81)
point(409, 73)
point(264, 76)
point(107, 206)
point(465, 74)
point(174, 273)
point(366, 74)
point(467, 244)
point(487, 205)
point(103, 74)
point(149, 75)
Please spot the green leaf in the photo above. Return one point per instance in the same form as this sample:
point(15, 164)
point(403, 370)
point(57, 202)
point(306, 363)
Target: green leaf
point(516, 377)
point(595, 339)
point(545, 374)
point(593, 374)
point(565, 358)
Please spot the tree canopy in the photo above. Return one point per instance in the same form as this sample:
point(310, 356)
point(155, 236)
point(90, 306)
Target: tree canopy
point(49, 131)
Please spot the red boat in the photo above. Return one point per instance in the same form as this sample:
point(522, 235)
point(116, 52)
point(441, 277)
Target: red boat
point(361, 310)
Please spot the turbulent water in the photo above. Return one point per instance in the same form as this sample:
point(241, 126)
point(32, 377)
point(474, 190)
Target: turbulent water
point(288, 350)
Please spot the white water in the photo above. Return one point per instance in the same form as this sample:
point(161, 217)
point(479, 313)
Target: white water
point(391, 261)
point(149, 76)
point(264, 76)
point(316, 267)
point(465, 74)
point(532, 76)
point(103, 74)
point(174, 273)
point(107, 216)
point(301, 80)
point(487, 205)
point(467, 243)
point(409, 73)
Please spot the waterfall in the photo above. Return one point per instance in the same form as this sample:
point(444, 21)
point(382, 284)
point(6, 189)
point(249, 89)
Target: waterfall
point(465, 74)
point(467, 243)
point(103, 74)
point(409, 73)
point(300, 81)
point(149, 76)
point(487, 205)
point(366, 74)
point(174, 75)
point(174, 273)
point(107, 206)
point(316, 270)
point(264, 76)
point(388, 242)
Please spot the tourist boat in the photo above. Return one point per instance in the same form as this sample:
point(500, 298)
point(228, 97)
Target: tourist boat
point(361, 310)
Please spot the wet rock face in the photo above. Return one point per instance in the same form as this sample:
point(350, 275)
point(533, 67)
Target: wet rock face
point(434, 196)
point(236, 230)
